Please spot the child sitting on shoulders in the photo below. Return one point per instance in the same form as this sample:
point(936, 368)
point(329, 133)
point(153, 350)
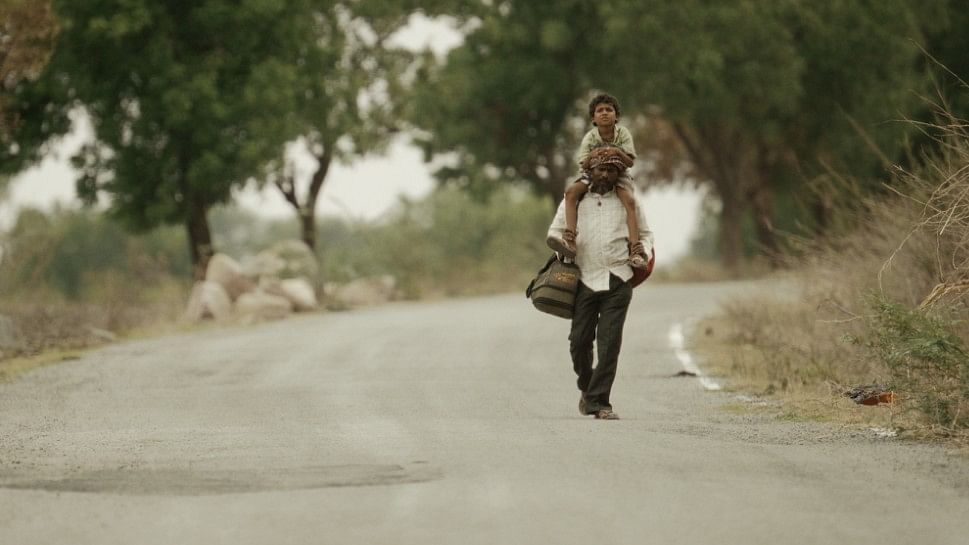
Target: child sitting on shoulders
point(604, 113)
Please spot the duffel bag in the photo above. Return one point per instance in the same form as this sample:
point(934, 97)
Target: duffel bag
point(553, 288)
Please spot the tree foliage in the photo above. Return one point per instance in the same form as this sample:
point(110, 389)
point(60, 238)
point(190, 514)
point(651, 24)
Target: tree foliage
point(72, 253)
point(505, 98)
point(349, 89)
point(27, 33)
point(184, 98)
point(28, 30)
point(764, 99)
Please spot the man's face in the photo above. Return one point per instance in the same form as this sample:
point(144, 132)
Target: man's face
point(604, 177)
point(604, 115)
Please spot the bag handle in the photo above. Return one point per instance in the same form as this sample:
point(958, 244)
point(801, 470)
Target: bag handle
point(528, 290)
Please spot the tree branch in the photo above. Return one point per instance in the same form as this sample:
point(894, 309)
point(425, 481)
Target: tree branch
point(316, 184)
point(287, 185)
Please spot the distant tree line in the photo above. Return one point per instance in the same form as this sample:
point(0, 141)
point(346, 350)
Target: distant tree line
point(766, 103)
point(191, 100)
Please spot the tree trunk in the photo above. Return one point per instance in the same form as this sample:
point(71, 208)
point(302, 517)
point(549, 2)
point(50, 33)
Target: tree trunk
point(306, 210)
point(199, 235)
point(554, 184)
point(307, 220)
point(730, 237)
point(707, 148)
point(762, 205)
point(822, 213)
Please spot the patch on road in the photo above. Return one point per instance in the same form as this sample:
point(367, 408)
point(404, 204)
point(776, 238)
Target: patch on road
point(200, 482)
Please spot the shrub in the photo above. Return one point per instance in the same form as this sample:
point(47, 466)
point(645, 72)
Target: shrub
point(885, 300)
point(926, 358)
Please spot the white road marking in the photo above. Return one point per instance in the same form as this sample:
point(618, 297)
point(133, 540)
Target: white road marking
point(676, 341)
point(884, 433)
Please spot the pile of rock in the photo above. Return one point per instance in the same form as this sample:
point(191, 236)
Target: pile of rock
point(272, 285)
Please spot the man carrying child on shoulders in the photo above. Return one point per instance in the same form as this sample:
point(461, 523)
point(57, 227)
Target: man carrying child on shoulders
point(604, 293)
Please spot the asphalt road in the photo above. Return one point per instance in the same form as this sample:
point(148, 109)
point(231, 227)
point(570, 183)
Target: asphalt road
point(446, 422)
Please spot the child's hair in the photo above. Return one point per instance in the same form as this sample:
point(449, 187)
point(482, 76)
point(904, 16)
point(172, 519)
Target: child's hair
point(603, 98)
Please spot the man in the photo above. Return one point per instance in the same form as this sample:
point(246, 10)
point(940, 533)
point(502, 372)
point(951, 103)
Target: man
point(604, 293)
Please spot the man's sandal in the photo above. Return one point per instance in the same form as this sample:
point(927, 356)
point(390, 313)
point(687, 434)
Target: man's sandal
point(606, 414)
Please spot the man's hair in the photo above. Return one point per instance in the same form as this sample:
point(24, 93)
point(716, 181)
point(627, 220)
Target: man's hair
point(603, 98)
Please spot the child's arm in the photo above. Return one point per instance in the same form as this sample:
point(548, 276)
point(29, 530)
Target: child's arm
point(572, 195)
point(625, 144)
point(627, 159)
point(585, 147)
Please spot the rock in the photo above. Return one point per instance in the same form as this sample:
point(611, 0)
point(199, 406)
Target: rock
point(259, 305)
point(208, 300)
point(9, 337)
point(366, 291)
point(297, 291)
point(226, 271)
point(286, 259)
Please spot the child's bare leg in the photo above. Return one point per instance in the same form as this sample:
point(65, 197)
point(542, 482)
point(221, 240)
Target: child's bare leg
point(632, 224)
point(566, 244)
point(572, 195)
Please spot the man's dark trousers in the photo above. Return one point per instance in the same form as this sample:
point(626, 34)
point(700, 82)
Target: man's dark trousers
point(598, 315)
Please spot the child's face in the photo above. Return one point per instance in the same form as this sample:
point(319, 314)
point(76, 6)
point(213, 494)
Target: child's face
point(604, 115)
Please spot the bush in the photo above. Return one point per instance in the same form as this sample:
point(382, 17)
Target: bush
point(446, 244)
point(925, 357)
point(68, 275)
point(885, 301)
point(56, 253)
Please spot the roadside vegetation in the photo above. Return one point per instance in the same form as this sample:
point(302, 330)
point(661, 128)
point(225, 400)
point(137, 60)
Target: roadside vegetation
point(885, 302)
point(71, 279)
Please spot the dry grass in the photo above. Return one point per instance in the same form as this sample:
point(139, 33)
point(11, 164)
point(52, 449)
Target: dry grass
point(51, 329)
point(885, 303)
point(806, 367)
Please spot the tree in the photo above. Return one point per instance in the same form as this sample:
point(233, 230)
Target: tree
point(184, 99)
point(348, 91)
point(28, 30)
point(27, 34)
point(763, 96)
point(505, 102)
point(767, 95)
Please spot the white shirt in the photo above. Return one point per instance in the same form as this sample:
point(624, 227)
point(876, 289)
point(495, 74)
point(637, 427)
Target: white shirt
point(603, 238)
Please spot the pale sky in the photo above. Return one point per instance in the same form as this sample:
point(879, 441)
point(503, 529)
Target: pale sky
point(365, 189)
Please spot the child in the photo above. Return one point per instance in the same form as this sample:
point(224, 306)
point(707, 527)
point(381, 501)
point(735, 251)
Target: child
point(604, 112)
